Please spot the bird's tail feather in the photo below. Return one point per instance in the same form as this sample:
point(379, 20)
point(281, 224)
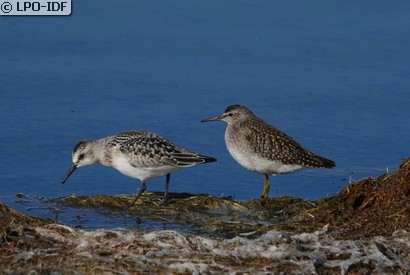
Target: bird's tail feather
point(327, 163)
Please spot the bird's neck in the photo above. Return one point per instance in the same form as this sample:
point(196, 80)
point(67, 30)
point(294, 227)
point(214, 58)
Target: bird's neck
point(99, 150)
point(103, 152)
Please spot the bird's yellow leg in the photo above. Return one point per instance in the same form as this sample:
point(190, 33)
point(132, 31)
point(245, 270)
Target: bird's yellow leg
point(266, 186)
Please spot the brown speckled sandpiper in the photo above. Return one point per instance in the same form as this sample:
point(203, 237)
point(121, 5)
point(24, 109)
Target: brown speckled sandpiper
point(261, 148)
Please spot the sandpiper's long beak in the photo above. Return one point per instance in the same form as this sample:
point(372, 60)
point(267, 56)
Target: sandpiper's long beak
point(72, 169)
point(212, 119)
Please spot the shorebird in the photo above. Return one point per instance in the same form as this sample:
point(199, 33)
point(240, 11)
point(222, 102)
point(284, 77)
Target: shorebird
point(138, 154)
point(261, 148)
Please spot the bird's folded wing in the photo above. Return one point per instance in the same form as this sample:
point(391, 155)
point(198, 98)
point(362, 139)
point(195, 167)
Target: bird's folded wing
point(183, 159)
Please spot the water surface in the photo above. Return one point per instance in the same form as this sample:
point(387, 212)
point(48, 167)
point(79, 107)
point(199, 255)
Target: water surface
point(333, 75)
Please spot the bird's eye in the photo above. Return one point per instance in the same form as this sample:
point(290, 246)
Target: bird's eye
point(81, 156)
point(230, 114)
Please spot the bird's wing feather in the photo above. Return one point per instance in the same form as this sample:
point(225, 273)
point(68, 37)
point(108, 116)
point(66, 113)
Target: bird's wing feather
point(285, 148)
point(187, 158)
point(145, 149)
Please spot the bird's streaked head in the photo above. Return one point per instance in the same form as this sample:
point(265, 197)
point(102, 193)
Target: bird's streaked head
point(83, 155)
point(232, 113)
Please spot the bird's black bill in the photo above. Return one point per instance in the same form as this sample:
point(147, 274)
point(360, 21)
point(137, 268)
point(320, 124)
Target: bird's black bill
point(72, 169)
point(211, 119)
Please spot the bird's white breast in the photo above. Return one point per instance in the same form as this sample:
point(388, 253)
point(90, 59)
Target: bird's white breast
point(123, 165)
point(261, 165)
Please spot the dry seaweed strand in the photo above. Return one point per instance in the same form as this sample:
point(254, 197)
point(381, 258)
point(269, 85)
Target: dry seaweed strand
point(370, 207)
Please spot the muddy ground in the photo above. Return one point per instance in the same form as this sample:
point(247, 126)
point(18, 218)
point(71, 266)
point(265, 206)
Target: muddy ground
point(365, 228)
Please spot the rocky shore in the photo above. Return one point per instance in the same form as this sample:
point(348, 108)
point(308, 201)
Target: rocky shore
point(364, 229)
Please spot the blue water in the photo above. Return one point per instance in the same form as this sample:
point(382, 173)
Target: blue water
point(332, 74)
